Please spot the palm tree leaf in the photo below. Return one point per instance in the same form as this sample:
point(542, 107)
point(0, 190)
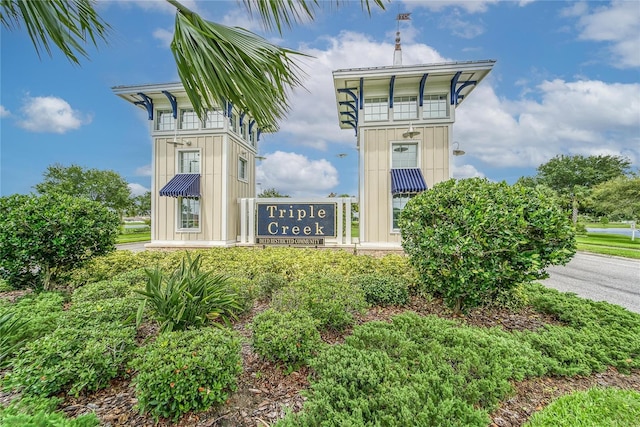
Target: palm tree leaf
point(276, 14)
point(219, 64)
point(68, 24)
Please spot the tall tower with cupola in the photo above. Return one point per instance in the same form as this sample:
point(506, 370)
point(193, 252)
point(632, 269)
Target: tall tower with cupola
point(403, 117)
point(201, 166)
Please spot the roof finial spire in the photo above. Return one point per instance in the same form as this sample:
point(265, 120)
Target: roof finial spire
point(397, 53)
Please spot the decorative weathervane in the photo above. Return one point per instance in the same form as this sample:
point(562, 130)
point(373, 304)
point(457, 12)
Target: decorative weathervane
point(397, 53)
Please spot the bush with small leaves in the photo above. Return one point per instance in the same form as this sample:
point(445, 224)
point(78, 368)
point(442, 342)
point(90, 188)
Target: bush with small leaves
point(268, 283)
point(471, 240)
point(289, 337)
point(184, 371)
point(44, 236)
point(72, 359)
point(383, 290)
point(330, 299)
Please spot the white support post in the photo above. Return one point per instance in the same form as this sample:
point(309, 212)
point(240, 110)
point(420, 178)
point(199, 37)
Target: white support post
point(252, 220)
point(347, 210)
point(243, 221)
point(339, 234)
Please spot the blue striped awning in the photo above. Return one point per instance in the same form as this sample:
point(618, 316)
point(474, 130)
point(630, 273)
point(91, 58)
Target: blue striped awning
point(182, 185)
point(408, 180)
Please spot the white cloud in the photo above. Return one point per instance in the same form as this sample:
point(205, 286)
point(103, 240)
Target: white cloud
point(296, 175)
point(144, 170)
point(583, 117)
point(313, 119)
point(50, 114)
point(618, 24)
point(4, 112)
point(466, 171)
point(137, 189)
point(470, 6)
point(164, 36)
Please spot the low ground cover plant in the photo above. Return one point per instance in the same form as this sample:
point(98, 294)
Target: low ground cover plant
point(72, 359)
point(602, 407)
point(330, 299)
point(415, 371)
point(184, 371)
point(36, 412)
point(289, 337)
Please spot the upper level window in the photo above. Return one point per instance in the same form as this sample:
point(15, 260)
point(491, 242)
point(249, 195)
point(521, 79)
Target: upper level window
point(435, 107)
point(233, 120)
point(214, 120)
point(165, 120)
point(405, 107)
point(404, 155)
point(376, 109)
point(242, 169)
point(189, 161)
point(251, 137)
point(188, 119)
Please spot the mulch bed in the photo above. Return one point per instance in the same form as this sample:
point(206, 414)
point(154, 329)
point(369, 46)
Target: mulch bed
point(266, 391)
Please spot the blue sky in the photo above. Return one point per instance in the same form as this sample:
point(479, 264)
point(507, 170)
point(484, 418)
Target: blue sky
point(566, 81)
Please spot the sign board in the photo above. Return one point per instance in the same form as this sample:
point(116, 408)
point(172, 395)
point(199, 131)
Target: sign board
point(303, 221)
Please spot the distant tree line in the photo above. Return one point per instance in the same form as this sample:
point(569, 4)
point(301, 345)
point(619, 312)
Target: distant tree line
point(599, 186)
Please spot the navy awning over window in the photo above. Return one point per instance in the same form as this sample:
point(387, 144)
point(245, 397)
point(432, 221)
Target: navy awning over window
point(182, 185)
point(408, 180)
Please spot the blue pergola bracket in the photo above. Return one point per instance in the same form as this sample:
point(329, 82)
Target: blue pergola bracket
point(147, 102)
point(391, 85)
point(173, 102)
point(423, 81)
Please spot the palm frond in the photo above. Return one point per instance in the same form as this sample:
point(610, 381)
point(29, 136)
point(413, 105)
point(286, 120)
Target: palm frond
point(219, 64)
point(68, 24)
point(276, 14)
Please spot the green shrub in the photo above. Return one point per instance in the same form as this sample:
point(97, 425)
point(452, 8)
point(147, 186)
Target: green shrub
point(40, 412)
point(330, 299)
point(42, 310)
point(471, 239)
point(268, 283)
point(245, 290)
point(414, 371)
point(40, 237)
point(5, 286)
point(289, 337)
point(383, 290)
point(186, 371)
point(188, 297)
point(105, 289)
point(608, 407)
point(11, 336)
point(102, 311)
point(72, 359)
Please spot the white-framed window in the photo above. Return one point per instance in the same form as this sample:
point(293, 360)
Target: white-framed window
point(189, 161)
point(405, 107)
point(404, 155)
point(214, 119)
point(233, 120)
point(398, 203)
point(243, 173)
point(189, 213)
point(189, 119)
point(435, 106)
point(376, 109)
point(245, 131)
point(251, 137)
point(165, 120)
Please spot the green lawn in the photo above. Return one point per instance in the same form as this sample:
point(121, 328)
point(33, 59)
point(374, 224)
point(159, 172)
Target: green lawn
point(610, 244)
point(134, 237)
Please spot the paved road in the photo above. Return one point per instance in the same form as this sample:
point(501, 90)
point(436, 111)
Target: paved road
point(133, 247)
point(600, 278)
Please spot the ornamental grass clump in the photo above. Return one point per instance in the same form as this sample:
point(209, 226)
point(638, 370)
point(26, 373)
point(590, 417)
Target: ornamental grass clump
point(184, 371)
point(188, 298)
point(471, 240)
